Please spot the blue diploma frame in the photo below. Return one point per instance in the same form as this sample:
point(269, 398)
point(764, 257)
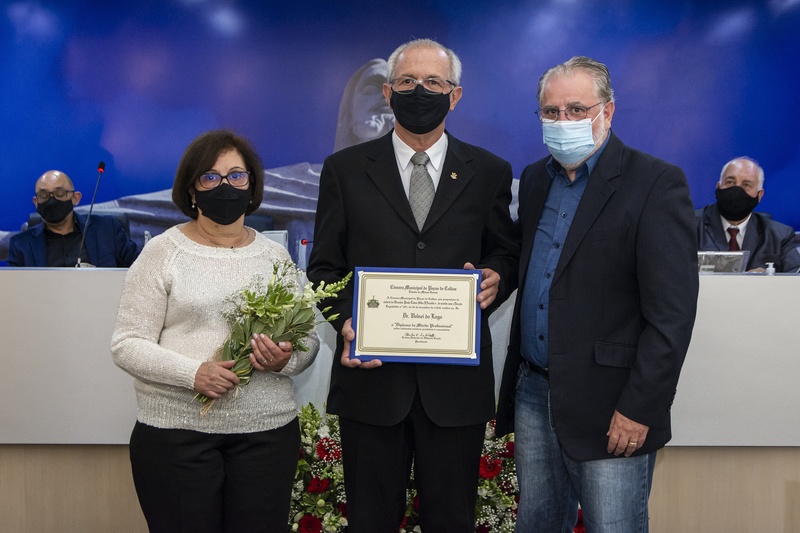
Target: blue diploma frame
point(416, 315)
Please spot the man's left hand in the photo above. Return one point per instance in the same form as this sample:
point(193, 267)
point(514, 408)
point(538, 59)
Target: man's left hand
point(489, 285)
point(624, 435)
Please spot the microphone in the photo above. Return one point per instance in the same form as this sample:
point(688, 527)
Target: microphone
point(101, 167)
point(302, 253)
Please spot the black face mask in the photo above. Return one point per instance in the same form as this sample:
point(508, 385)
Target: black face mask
point(419, 111)
point(54, 211)
point(223, 204)
point(734, 203)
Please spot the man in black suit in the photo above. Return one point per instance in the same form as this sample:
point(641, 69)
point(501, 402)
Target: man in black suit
point(604, 313)
point(731, 223)
point(394, 413)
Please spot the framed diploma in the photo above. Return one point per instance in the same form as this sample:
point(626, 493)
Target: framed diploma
point(416, 315)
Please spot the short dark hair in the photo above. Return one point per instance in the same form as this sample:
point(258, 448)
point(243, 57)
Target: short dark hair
point(201, 155)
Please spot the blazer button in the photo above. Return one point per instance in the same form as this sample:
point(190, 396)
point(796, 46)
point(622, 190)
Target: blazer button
point(421, 245)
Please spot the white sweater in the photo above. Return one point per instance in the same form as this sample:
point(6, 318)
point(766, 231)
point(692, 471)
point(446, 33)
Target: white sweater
point(170, 321)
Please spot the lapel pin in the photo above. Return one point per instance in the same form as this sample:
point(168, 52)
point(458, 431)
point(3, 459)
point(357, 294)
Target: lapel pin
point(453, 176)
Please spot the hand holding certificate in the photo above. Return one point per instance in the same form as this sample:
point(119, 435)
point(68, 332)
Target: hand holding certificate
point(417, 315)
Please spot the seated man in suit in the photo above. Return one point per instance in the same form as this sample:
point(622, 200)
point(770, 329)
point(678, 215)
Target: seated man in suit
point(56, 242)
point(731, 224)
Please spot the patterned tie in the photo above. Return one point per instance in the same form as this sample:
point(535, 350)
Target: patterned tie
point(733, 244)
point(420, 191)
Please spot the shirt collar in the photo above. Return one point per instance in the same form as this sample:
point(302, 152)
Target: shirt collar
point(742, 225)
point(436, 153)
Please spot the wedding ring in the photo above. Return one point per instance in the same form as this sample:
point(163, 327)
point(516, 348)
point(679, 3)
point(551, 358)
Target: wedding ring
point(631, 443)
point(262, 361)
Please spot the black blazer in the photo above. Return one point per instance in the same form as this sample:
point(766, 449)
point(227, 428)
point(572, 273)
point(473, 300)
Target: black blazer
point(766, 239)
point(364, 219)
point(622, 301)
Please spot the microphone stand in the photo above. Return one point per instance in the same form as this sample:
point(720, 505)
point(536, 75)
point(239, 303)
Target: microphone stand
point(100, 169)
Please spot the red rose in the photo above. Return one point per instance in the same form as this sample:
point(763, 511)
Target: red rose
point(317, 485)
point(342, 508)
point(482, 528)
point(490, 468)
point(509, 451)
point(328, 450)
point(310, 524)
point(415, 503)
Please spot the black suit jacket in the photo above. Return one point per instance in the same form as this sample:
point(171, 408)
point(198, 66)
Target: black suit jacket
point(766, 239)
point(364, 219)
point(622, 301)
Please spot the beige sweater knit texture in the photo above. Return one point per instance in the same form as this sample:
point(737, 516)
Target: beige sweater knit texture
point(170, 321)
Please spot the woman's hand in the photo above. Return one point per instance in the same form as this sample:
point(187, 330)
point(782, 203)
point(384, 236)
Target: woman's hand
point(214, 378)
point(268, 356)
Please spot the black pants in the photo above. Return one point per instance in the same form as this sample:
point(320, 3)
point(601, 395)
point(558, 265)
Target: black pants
point(207, 483)
point(377, 464)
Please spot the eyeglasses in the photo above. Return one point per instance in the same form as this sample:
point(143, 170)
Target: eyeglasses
point(58, 194)
point(238, 179)
point(407, 85)
point(575, 112)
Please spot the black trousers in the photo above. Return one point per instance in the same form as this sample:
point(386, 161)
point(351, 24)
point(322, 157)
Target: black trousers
point(195, 482)
point(377, 464)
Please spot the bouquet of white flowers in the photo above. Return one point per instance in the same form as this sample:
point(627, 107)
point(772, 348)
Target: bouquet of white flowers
point(278, 310)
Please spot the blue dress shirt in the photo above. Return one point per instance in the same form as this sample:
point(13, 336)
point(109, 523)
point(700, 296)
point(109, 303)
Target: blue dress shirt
point(559, 210)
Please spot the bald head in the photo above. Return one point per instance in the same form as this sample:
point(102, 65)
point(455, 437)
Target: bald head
point(53, 179)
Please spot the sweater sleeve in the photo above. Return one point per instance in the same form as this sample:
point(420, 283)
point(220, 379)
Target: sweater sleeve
point(140, 320)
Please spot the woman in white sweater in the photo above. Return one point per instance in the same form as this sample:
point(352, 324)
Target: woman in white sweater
point(232, 468)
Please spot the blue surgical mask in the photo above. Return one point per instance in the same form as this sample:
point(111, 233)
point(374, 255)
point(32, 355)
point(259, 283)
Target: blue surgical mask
point(569, 141)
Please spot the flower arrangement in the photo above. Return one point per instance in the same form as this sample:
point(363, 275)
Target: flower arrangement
point(318, 499)
point(498, 492)
point(318, 502)
point(279, 310)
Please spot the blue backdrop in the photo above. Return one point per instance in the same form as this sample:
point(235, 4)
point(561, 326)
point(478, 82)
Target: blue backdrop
point(697, 83)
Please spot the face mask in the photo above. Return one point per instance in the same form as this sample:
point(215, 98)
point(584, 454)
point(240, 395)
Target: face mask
point(223, 204)
point(734, 203)
point(569, 141)
point(419, 111)
point(54, 211)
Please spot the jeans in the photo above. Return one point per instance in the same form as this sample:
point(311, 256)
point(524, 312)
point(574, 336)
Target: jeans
point(613, 492)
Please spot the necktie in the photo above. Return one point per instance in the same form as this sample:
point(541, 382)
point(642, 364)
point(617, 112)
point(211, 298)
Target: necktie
point(420, 191)
point(733, 244)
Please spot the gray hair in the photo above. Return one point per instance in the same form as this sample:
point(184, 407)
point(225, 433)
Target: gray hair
point(455, 63)
point(598, 71)
point(745, 158)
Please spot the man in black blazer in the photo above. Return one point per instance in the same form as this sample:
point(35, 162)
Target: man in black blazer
point(739, 191)
point(604, 313)
point(394, 413)
point(57, 240)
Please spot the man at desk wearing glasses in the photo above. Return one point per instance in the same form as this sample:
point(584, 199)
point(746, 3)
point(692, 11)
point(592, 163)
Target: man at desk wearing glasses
point(59, 241)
